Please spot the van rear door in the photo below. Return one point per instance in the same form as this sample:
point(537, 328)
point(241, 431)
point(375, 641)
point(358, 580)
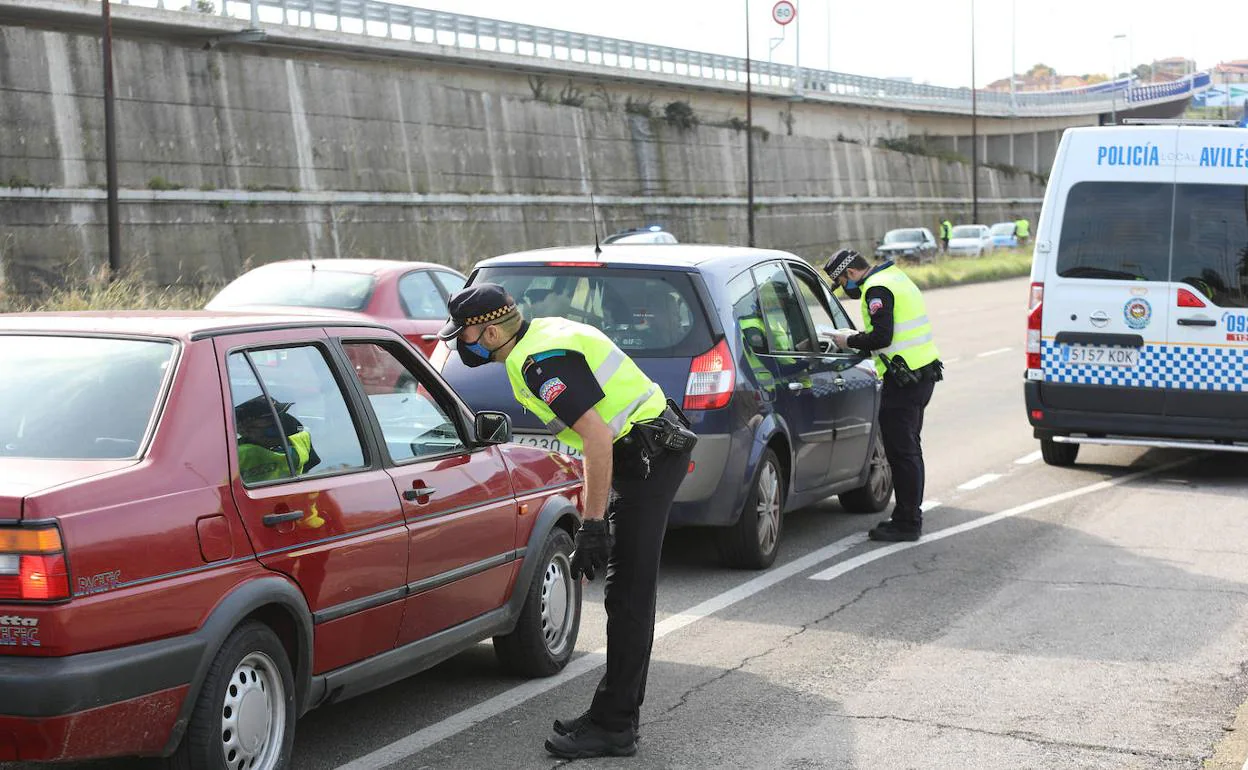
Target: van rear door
point(1106, 295)
point(1208, 325)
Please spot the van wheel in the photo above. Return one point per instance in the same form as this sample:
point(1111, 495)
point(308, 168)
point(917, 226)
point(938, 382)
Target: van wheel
point(754, 541)
point(873, 496)
point(545, 635)
point(1058, 454)
point(244, 718)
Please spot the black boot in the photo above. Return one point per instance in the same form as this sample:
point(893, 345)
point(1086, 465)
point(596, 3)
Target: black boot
point(565, 726)
point(590, 740)
point(891, 532)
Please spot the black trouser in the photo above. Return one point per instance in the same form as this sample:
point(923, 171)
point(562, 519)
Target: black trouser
point(901, 422)
point(640, 516)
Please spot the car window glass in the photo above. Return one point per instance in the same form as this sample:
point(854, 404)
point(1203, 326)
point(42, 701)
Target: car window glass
point(816, 304)
point(451, 282)
point(647, 313)
point(745, 308)
point(420, 296)
point(312, 427)
point(413, 423)
point(320, 287)
point(1211, 241)
point(782, 311)
point(1116, 231)
point(71, 398)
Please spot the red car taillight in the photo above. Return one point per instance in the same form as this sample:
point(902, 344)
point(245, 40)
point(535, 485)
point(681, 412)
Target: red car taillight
point(712, 378)
point(1035, 311)
point(32, 565)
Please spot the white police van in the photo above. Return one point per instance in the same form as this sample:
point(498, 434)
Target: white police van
point(1137, 331)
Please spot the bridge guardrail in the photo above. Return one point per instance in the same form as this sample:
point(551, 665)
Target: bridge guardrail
point(377, 18)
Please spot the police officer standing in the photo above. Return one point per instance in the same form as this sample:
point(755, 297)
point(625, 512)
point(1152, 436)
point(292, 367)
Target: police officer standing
point(897, 331)
point(635, 442)
point(946, 232)
point(1022, 230)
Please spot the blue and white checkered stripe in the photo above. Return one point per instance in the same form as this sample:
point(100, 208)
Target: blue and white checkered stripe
point(1185, 367)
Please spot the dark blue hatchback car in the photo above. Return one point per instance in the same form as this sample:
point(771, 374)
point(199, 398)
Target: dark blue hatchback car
point(741, 337)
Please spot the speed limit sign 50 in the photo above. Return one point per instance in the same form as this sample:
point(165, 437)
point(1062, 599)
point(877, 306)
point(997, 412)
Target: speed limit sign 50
point(784, 12)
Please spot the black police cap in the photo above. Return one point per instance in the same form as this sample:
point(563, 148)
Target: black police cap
point(473, 305)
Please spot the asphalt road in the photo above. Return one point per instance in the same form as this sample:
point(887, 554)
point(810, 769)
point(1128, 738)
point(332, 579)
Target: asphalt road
point(1092, 617)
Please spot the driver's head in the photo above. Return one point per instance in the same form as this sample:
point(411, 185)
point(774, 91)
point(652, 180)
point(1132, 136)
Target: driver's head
point(254, 421)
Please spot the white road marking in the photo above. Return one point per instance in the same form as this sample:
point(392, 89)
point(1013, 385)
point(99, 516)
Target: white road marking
point(457, 723)
point(980, 481)
point(949, 361)
point(993, 352)
point(858, 561)
point(929, 505)
point(1028, 459)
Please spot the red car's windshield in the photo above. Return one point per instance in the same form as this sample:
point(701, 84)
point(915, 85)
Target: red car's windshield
point(298, 288)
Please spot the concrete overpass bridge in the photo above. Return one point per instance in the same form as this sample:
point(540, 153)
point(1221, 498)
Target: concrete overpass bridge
point(1020, 130)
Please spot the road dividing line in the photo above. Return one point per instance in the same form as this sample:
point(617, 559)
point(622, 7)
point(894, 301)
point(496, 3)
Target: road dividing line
point(1028, 459)
point(981, 481)
point(487, 709)
point(492, 707)
point(929, 505)
point(858, 561)
point(993, 352)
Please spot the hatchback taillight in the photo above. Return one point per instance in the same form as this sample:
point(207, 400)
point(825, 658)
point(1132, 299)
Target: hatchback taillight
point(32, 565)
point(1035, 313)
point(712, 378)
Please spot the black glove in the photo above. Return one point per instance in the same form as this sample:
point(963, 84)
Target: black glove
point(593, 548)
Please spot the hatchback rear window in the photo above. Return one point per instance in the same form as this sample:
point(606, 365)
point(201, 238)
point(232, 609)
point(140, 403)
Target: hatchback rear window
point(332, 289)
point(647, 313)
point(1188, 233)
point(79, 398)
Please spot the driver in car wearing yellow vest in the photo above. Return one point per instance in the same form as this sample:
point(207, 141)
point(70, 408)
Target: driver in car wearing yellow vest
point(594, 398)
point(898, 333)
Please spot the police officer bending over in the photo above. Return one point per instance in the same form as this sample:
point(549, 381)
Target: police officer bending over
point(594, 398)
point(896, 329)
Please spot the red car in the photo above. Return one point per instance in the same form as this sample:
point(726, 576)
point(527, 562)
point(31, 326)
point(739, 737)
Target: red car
point(210, 523)
point(409, 297)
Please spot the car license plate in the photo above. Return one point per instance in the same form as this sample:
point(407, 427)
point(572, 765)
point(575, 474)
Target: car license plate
point(1100, 355)
point(546, 441)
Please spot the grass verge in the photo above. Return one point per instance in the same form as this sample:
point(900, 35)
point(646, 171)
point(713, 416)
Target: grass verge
point(129, 291)
point(956, 271)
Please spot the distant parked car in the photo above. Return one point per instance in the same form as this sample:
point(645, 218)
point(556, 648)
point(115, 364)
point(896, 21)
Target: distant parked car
point(409, 297)
point(739, 337)
point(970, 240)
point(914, 244)
point(651, 234)
point(1003, 236)
point(210, 523)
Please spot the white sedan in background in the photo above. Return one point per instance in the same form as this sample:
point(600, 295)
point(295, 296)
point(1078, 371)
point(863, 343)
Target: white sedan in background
point(970, 240)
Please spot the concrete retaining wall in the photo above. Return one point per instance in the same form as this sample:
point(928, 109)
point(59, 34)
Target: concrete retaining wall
point(249, 155)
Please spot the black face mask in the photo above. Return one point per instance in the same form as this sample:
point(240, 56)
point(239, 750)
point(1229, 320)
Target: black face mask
point(852, 289)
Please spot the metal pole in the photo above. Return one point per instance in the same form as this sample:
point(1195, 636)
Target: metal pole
point(110, 149)
point(749, 132)
point(797, 56)
point(974, 129)
point(1013, 52)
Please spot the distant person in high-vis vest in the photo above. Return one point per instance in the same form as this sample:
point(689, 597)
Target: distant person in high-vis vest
point(263, 455)
point(1022, 230)
point(594, 398)
point(946, 232)
point(898, 333)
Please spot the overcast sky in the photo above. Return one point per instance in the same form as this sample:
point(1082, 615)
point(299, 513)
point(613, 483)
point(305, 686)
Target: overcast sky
point(927, 40)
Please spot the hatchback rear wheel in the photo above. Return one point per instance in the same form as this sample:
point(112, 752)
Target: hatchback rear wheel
point(873, 496)
point(754, 541)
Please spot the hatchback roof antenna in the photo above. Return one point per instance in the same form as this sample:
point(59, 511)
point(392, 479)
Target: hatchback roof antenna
point(593, 212)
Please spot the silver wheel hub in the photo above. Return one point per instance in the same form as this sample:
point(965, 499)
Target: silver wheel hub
point(253, 716)
point(557, 600)
point(768, 507)
point(881, 472)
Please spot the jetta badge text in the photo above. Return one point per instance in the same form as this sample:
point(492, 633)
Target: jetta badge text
point(19, 631)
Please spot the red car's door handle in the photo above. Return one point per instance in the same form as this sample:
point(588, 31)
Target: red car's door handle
point(273, 519)
point(429, 337)
point(416, 493)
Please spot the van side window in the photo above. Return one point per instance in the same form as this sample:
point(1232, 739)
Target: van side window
point(1211, 241)
point(1118, 231)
